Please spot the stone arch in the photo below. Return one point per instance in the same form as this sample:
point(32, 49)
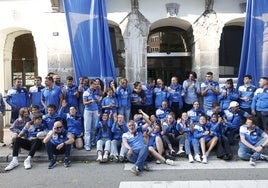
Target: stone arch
point(174, 61)
point(230, 47)
point(118, 47)
point(8, 37)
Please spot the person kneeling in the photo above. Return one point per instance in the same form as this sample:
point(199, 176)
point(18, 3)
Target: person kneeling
point(58, 141)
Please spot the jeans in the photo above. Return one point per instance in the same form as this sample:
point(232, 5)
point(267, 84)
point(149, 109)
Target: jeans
point(124, 110)
point(246, 153)
point(139, 157)
point(31, 145)
point(115, 144)
point(51, 150)
point(90, 118)
point(169, 140)
point(104, 142)
point(193, 143)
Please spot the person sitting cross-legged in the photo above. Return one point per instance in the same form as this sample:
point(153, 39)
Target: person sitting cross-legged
point(252, 141)
point(58, 141)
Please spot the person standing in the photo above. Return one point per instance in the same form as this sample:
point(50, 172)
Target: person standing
point(2, 114)
point(246, 94)
point(192, 89)
point(35, 93)
point(209, 91)
point(71, 94)
point(51, 94)
point(123, 93)
point(17, 98)
point(259, 104)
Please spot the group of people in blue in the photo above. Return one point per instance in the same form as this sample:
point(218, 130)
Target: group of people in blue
point(140, 121)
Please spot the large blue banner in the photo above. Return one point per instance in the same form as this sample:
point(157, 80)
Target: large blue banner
point(90, 38)
point(254, 56)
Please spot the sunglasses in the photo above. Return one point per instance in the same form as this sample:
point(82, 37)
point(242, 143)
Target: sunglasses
point(58, 127)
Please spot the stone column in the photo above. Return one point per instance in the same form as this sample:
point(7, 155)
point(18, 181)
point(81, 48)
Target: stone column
point(135, 38)
point(207, 34)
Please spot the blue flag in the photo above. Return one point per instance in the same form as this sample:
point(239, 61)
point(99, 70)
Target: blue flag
point(90, 39)
point(254, 56)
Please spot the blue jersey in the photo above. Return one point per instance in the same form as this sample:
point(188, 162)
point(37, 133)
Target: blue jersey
point(234, 118)
point(199, 131)
point(33, 130)
point(149, 94)
point(90, 95)
point(260, 100)
point(137, 99)
point(123, 96)
point(210, 97)
point(50, 120)
point(18, 97)
point(252, 136)
point(175, 94)
point(74, 123)
point(191, 92)
point(162, 113)
point(160, 94)
point(35, 95)
point(118, 130)
point(135, 141)
point(106, 101)
point(246, 94)
point(71, 98)
point(225, 99)
point(194, 114)
point(52, 96)
point(59, 137)
point(104, 129)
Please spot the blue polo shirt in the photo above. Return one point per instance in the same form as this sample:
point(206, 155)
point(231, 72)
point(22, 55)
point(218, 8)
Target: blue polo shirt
point(71, 99)
point(52, 96)
point(35, 94)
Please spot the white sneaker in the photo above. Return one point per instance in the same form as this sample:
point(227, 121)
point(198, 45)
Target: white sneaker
point(158, 162)
point(99, 159)
point(170, 162)
point(252, 161)
point(12, 164)
point(105, 158)
point(27, 164)
point(204, 159)
point(197, 158)
point(191, 159)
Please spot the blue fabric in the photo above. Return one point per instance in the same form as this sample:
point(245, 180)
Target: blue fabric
point(254, 56)
point(90, 39)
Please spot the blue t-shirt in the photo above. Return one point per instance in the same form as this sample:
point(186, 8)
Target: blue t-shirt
point(253, 136)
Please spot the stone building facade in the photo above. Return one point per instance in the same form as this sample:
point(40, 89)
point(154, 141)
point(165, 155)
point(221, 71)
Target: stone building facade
point(34, 38)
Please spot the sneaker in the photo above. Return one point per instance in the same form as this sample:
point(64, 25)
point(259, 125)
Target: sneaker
point(252, 161)
point(99, 159)
point(121, 159)
point(87, 148)
point(66, 163)
point(146, 167)
point(105, 158)
point(158, 162)
point(172, 153)
point(135, 170)
point(204, 159)
point(170, 162)
point(2, 144)
point(12, 164)
point(112, 157)
point(52, 164)
point(27, 164)
point(191, 159)
point(197, 158)
point(181, 153)
point(264, 157)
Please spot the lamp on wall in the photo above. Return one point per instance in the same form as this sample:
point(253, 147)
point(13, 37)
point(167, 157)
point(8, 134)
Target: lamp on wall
point(172, 9)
